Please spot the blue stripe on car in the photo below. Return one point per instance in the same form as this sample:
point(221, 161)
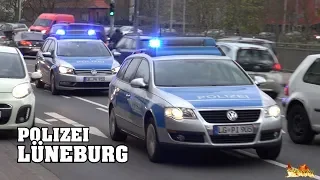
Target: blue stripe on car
point(158, 112)
point(218, 96)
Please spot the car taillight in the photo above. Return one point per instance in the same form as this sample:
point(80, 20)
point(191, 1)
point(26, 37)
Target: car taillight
point(25, 43)
point(286, 90)
point(277, 67)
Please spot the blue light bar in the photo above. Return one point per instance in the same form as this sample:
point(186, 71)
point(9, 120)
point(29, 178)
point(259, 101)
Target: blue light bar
point(60, 32)
point(154, 43)
point(168, 51)
point(91, 32)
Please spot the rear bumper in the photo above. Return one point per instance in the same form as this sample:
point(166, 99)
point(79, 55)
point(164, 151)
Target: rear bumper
point(31, 51)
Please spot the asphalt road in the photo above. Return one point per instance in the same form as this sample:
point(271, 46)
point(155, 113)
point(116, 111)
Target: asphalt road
point(90, 109)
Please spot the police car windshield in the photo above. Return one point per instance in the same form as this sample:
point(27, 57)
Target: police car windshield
point(11, 66)
point(82, 49)
point(175, 73)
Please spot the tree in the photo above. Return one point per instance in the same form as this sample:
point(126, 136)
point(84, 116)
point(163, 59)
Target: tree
point(245, 15)
point(8, 10)
point(33, 8)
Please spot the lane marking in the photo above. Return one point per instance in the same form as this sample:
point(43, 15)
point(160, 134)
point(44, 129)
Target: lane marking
point(283, 131)
point(40, 121)
point(67, 97)
point(283, 116)
point(97, 132)
point(93, 130)
point(104, 110)
point(33, 84)
point(91, 102)
point(268, 161)
point(61, 118)
point(51, 120)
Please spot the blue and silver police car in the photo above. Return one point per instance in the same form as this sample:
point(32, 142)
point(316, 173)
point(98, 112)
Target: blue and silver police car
point(72, 62)
point(192, 100)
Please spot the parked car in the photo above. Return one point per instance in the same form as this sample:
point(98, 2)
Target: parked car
point(257, 61)
point(129, 29)
point(303, 103)
point(28, 43)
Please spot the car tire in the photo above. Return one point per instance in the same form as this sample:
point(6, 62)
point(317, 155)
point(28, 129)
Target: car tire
point(53, 88)
point(154, 149)
point(298, 125)
point(115, 133)
point(269, 153)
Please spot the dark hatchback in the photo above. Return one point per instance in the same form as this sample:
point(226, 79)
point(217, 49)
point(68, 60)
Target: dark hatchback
point(79, 29)
point(128, 44)
point(28, 43)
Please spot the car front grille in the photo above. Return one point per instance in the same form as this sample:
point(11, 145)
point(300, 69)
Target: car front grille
point(88, 72)
point(225, 139)
point(5, 113)
point(220, 116)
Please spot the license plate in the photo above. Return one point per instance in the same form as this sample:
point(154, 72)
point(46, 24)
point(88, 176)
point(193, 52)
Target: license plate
point(94, 79)
point(233, 130)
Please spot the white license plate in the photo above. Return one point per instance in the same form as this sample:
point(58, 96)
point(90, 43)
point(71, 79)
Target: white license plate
point(233, 130)
point(94, 79)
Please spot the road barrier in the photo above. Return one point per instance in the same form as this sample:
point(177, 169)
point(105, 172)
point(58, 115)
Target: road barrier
point(291, 55)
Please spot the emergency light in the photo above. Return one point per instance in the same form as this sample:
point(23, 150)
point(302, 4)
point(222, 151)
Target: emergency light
point(62, 32)
point(154, 43)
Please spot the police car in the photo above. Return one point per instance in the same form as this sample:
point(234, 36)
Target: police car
point(71, 62)
point(191, 100)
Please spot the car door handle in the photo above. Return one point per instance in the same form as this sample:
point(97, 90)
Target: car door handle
point(128, 95)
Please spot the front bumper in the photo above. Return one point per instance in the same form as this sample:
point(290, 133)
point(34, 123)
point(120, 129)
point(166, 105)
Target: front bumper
point(12, 109)
point(76, 82)
point(199, 133)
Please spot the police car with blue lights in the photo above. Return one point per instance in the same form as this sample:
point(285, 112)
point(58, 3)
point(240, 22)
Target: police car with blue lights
point(186, 98)
point(72, 62)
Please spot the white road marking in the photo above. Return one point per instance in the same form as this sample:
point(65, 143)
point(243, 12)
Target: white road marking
point(283, 131)
point(91, 102)
point(283, 116)
point(40, 121)
point(33, 84)
point(67, 97)
point(61, 118)
point(47, 91)
point(97, 132)
point(51, 120)
point(104, 110)
point(78, 125)
point(268, 161)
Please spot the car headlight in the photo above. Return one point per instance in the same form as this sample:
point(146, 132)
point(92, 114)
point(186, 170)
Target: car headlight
point(21, 90)
point(273, 111)
point(115, 70)
point(65, 70)
point(180, 113)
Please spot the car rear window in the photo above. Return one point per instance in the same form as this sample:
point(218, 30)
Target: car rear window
point(11, 66)
point(32, 36)
point(252, 58)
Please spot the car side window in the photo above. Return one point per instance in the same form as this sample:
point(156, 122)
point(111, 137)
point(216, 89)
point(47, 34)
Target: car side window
point(51, 47)
point(123, 69)
point(143, 71)
point(46, 46)
point(312, 75)
point(130, 72)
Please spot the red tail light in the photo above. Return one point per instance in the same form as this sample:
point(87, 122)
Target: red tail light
point(277, 67)
point(25, 43)
point(286, 90)
point(3, 37)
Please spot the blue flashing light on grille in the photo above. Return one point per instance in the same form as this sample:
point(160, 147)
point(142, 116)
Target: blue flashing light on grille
point(91, 32)
point(60, 32)
point(154, 43)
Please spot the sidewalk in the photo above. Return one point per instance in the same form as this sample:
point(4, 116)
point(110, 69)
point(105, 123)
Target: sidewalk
point(11, 170)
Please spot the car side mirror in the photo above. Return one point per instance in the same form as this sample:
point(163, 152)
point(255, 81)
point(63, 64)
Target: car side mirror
point(259, 80)
point(47, 54)
point(35, 76)
point(116, 53)
point(138, 83)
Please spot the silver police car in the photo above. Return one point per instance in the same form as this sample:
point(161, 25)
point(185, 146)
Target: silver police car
point(198, 101)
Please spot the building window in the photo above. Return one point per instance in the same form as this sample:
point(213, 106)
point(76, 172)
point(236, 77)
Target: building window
point(85, 17)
